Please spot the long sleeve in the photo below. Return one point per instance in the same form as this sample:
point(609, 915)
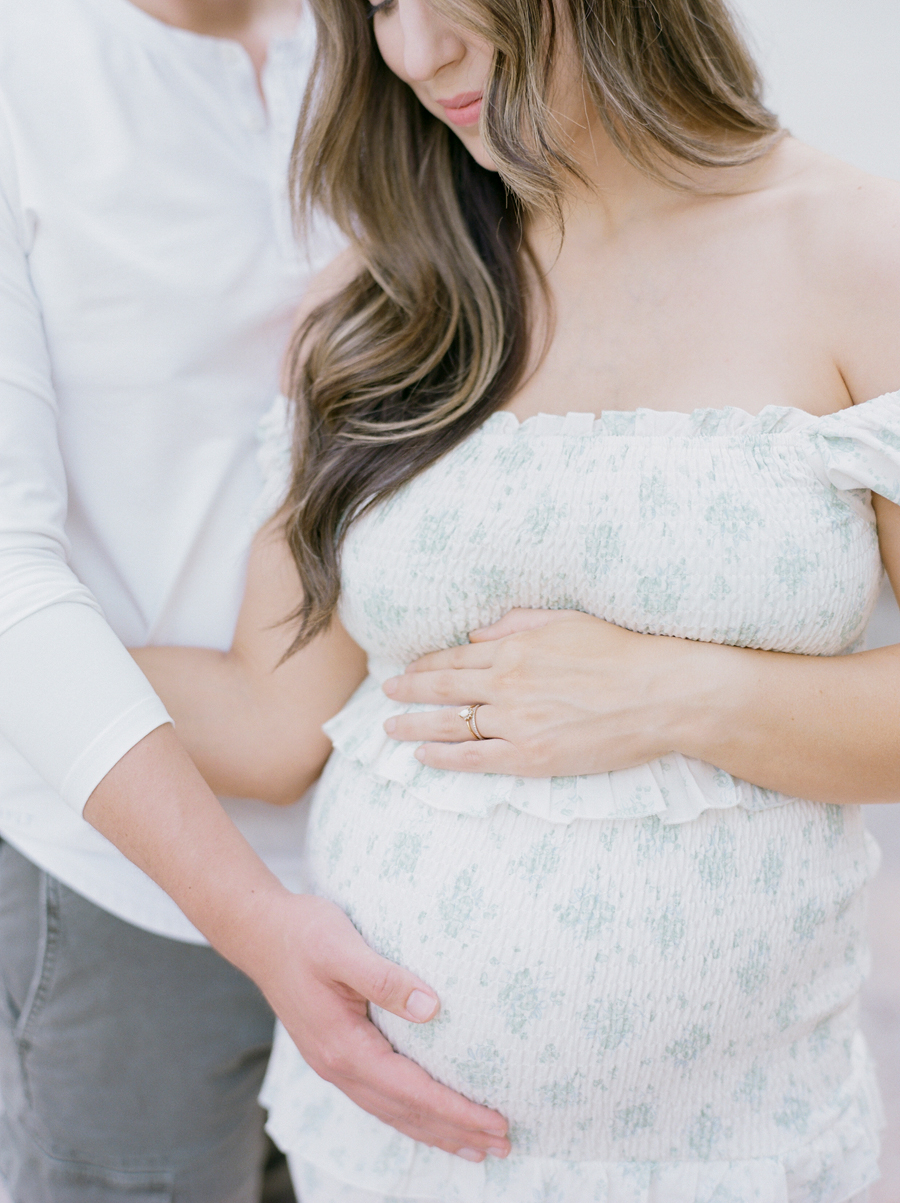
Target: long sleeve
point(72, 701)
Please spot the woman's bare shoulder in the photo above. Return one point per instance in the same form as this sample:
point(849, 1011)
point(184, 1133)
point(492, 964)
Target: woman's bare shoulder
point(844, 219)
point(845, 227)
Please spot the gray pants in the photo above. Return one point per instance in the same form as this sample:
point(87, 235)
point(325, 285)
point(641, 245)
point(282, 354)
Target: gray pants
point(129, 1063)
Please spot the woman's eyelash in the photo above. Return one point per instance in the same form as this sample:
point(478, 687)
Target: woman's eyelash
point(378, 8)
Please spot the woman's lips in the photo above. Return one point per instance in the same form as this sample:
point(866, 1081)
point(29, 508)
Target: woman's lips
point(464, 109)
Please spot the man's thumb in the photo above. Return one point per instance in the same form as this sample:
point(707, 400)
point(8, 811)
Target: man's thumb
point(393, 989)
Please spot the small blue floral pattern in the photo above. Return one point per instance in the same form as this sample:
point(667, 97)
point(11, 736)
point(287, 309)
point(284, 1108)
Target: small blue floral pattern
point(652, 973)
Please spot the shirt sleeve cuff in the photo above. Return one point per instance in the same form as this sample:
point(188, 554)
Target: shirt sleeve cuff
point(72, 700)
point(108, 748)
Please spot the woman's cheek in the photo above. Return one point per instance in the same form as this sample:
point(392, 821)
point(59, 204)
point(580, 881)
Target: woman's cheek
point(388, 39)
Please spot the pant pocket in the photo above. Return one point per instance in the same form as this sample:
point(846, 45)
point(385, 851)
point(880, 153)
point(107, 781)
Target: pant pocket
point(33, 1176)
point(45, 958)
point(29, 941)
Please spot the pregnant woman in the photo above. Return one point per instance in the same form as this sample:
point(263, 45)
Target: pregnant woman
point(606, 341)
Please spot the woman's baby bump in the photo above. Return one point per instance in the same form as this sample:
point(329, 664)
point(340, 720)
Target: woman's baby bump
point(593, 975)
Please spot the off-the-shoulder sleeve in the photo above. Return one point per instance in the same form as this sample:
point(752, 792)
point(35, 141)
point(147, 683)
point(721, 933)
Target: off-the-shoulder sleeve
point(860, 446)
point(274, 435)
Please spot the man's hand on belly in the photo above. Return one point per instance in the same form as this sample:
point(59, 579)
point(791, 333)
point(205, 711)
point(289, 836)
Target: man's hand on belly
point(302, 951)
point(324, 983)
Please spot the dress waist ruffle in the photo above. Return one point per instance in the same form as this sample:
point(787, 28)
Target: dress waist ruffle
point(676, 788)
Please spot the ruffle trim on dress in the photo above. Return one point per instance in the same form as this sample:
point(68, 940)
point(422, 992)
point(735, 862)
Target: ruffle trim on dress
point(869, 417)
point(311, 1120)
point(858, 447)
point(656, 423)
point(675, 787)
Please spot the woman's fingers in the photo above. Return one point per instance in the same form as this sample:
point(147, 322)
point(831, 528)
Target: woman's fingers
point(446, 687)
point(486, 756)
point(517, 621)
point(443, 725)
point(464, 655)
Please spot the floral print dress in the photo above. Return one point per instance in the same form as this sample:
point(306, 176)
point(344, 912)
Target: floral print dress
point(652, 973)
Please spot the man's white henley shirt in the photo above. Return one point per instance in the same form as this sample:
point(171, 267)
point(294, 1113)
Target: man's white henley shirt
point(148, 280)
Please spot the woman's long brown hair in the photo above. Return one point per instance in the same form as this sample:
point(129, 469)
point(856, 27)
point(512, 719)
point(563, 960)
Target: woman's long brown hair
point(432, 335)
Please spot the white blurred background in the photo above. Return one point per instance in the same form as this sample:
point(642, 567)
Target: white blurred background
point(833, 74)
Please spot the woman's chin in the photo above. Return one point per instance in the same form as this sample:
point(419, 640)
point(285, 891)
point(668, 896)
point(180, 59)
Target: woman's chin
point(471, 140)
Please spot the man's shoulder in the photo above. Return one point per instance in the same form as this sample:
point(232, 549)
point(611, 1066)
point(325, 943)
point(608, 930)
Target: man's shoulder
point(28, 18)
point(38, 36)
point(54, 64)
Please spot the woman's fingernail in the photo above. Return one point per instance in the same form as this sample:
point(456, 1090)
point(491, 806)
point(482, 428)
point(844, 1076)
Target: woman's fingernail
point(390, 726)
point(419, 754)
point(498, 1152)
point(470, 1154)
point(421, 1005)
point(389, 686)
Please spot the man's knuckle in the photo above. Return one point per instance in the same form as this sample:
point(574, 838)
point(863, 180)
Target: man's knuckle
point(331, 1063)
point(383, 984)
point(409, 1115)
point(409, 1111)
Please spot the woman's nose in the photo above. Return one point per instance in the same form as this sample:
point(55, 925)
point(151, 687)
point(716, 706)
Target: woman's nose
point(429, 42)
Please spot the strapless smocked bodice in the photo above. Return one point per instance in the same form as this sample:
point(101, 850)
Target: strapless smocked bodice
point(651, 972)
point(719, 525)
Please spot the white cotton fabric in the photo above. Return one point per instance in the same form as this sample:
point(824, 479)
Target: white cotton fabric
point(148, 282)
point(314, 1186)
point(652, 973)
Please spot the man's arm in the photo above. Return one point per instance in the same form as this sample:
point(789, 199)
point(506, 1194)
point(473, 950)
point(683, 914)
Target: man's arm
point(303, 952)
point(71, 701)
point(75, 705)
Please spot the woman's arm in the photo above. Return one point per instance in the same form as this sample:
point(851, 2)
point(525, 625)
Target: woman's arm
point(251, 723)
point(568, 694)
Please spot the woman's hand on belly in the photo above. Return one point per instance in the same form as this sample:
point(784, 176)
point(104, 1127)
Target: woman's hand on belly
point(561, 693)
point(565, 694)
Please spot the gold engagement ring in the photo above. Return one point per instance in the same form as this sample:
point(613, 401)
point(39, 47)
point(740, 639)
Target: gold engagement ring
point(467, 714)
